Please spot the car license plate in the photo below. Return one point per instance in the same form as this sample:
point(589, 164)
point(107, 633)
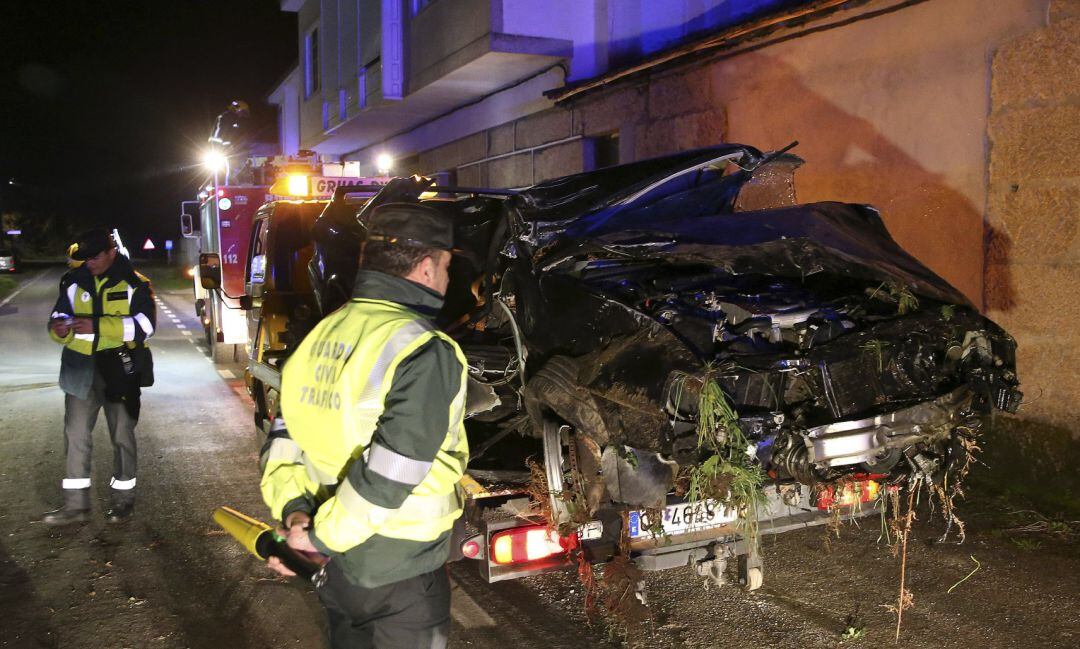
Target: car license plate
point(683, 518)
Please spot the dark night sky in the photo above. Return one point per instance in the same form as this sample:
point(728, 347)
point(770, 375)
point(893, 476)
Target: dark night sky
point(105, 105)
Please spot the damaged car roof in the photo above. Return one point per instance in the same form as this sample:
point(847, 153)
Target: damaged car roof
point(799, 241)
point(682, 208)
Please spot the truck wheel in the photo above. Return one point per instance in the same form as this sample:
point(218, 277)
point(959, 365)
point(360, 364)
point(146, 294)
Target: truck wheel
point(258, 396)
point(266, 403)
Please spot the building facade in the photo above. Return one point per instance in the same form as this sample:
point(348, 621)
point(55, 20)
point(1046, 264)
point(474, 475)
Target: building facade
point(407, 76)
point(926, 109)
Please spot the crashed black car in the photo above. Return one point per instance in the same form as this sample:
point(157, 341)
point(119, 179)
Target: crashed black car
point(600, 313)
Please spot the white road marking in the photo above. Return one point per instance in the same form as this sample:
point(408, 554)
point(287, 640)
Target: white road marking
point(180, 326)
point(21, 288)
point(227, 374)
point(186, 332)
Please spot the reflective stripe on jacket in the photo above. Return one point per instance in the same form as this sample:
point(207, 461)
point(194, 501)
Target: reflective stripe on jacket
point(286, 485)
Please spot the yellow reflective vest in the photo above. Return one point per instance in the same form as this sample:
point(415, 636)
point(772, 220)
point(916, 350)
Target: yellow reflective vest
point(121, 303)
point(334, 391)
point(116, 323)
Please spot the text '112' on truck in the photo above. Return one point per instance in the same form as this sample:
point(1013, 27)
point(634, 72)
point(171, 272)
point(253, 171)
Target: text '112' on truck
point(667, 359)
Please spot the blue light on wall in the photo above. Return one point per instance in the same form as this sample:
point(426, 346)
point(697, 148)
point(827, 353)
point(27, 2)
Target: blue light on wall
point(666, 23)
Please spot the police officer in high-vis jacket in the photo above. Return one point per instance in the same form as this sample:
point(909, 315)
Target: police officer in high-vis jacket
point(103, 316)
point(366, 472)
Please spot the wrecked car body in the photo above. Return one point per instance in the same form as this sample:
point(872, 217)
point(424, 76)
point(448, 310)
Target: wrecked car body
point(603, 313)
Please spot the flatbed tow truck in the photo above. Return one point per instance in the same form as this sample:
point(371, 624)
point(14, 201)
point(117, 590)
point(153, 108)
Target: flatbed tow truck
point(288, 286)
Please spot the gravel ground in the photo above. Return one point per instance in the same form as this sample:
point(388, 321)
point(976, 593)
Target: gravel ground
point(1024, 594)
point(168, 579)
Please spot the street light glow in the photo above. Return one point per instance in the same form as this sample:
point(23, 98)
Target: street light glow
point(383, 162)
point(214, 161)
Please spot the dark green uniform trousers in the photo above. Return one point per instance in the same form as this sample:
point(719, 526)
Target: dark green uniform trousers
point(410, 614)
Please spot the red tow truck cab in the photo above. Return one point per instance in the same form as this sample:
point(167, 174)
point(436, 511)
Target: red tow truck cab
point(225, 215)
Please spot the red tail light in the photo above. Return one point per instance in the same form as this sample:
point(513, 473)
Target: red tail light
point(524, 544)
point(470, 549)
point(856, 491)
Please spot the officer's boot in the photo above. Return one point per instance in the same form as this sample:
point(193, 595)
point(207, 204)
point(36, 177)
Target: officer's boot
point(123, 505)
point(76, 508)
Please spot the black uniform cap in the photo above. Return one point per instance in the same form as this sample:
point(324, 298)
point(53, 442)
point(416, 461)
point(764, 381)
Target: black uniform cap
point(91, 243)
point(411, 224)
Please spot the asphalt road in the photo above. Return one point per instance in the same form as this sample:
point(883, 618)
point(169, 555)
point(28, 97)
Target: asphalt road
point(170, 579)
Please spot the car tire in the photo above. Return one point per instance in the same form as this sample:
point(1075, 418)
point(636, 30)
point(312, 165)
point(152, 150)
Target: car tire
point(554, 389)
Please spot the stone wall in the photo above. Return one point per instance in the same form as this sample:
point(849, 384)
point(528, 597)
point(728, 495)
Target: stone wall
point(890, 110)
point(961, 125)
point(1033, 247)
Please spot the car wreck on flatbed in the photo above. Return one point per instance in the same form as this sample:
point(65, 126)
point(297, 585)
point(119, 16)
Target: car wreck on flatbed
point(690, 358)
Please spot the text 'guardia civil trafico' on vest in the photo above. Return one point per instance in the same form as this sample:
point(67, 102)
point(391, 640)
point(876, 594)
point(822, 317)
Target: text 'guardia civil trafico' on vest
point(325, 399)
point(329, 349)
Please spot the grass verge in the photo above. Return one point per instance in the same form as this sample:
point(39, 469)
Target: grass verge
point(7, 285)
point(166, 278)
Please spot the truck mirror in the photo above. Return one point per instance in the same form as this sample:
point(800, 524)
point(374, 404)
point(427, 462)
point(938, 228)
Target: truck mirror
point(189, 219)
point(245, 302)
point(210, 270)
